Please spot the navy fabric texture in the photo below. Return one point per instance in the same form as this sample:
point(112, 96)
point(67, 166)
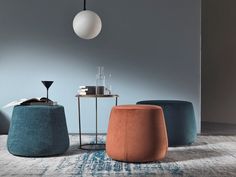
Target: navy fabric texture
point(180, 120)
point(38, 130)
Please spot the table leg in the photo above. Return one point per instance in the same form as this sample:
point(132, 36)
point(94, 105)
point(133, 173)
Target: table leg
point(80, 142)
point(116, 101)
point(96, 120)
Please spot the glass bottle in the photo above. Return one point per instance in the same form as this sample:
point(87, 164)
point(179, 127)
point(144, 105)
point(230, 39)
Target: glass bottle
point(100, 81)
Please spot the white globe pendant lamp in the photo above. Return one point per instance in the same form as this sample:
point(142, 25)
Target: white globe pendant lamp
point(87, 24)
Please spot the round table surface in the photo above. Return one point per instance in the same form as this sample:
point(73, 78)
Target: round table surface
point(102, 96)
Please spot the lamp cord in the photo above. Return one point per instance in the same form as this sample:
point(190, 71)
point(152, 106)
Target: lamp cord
point(84, 4)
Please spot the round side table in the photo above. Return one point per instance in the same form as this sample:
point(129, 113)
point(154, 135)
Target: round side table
point(96, 145)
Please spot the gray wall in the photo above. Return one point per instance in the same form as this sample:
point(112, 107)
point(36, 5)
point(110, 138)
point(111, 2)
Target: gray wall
point(218, 61)
point(151, 48)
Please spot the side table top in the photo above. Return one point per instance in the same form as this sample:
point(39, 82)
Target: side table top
point(98, 96)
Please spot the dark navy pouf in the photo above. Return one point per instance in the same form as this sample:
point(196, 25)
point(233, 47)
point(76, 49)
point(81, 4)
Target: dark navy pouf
point(180, 120)
point(38, 130)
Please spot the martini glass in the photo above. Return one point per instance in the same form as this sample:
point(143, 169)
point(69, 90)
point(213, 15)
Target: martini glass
point(47, 84)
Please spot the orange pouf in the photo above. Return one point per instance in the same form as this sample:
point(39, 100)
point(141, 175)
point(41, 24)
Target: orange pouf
point(136, 133)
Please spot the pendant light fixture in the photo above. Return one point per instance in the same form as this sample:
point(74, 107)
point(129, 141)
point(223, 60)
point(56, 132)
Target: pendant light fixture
point(87, 24)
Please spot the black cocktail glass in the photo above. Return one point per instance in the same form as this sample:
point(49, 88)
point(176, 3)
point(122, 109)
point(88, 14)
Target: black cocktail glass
point(47, 84)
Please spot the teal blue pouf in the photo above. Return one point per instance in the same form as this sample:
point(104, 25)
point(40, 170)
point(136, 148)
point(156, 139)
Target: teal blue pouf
point(180, 120)
point(38, 130)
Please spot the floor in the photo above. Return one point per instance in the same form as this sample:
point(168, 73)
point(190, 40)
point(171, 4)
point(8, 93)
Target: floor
point(216, 144)
point(209, 128)
point(208, 156)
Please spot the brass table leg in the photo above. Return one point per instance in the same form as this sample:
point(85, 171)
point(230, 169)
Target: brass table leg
point(80, 142)
point(96, 120)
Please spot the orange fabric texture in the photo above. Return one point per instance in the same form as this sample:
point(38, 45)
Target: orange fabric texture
point(136, 133)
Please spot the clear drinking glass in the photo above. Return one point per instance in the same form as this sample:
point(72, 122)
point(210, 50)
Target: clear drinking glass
point(108, 85)
point(100, 81)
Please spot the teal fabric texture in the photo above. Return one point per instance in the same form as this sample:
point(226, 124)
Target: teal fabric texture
point(180, 120)
point(38, 130)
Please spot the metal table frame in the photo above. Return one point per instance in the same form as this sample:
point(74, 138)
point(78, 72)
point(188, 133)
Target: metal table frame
point(96, 107)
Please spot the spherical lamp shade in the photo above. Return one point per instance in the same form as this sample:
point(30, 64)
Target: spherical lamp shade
point(87, 24)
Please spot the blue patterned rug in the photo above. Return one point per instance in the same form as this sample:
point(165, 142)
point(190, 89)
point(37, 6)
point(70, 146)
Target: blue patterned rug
point(209, 156)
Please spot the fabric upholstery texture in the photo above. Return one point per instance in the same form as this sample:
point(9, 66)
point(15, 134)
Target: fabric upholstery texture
point(136, 133)
point(180, 120)
point(38, 130)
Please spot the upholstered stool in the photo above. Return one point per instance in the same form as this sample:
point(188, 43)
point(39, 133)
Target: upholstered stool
point(180, 120)
point(136, 133)
point(38, 130)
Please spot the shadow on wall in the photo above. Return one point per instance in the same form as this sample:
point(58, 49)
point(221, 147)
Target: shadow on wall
point(4, 123)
